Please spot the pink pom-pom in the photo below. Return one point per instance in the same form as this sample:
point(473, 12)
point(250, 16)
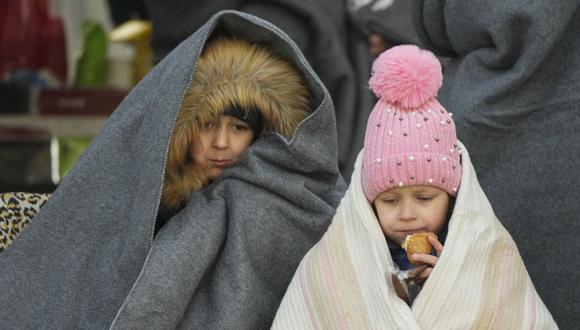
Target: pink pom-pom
point(406, 75)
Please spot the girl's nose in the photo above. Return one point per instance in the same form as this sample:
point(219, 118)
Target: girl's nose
point(407, 212)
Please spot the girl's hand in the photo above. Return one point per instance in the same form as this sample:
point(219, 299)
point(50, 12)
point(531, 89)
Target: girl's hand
point(429, 260)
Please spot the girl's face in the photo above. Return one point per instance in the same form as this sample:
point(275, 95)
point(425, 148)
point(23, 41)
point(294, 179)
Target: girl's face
point(220, 143)
point(411, 209)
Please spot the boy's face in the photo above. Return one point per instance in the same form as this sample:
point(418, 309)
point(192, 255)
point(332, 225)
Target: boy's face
point(411, 209)
point(220, 143)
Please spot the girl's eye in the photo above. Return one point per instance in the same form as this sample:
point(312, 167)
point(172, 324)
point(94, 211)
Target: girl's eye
point(390, 200)
point(208, 125)
point(424, 198)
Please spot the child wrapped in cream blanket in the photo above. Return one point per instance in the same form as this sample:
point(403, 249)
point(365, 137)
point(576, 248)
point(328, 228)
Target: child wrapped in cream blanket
point(479, 282)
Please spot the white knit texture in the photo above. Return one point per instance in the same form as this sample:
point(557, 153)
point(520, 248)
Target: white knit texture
point(479, 282)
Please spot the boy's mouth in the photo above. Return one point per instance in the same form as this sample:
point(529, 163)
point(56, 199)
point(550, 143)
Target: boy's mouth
point(220, 162)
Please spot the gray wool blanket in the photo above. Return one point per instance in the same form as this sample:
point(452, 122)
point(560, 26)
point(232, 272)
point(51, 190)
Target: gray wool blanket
point(90, 260)
point(513, 85)
point(322, 30)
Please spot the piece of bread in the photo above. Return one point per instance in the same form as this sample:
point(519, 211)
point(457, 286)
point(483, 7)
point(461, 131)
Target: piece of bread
point(417, 243)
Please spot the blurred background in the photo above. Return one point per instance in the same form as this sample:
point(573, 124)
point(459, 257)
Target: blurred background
point(65, 65)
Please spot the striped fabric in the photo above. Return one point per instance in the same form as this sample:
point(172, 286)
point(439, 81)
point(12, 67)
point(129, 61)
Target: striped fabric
point(480, 281)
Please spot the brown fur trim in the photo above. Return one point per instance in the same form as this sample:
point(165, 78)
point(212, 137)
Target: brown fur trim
point(231, 72)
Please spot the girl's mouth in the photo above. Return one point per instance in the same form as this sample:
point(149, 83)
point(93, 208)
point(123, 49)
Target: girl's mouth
point(410, 232)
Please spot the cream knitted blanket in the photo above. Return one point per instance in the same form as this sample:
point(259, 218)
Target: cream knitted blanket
point(479, 282)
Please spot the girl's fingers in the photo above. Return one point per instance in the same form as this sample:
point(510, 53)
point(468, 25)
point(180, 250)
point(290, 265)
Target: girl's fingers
point(423, 275)
point(425, 258)
point(436, 245)
point(414, 272)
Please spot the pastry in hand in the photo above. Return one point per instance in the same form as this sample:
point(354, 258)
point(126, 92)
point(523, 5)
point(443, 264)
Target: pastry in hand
point(417, 243)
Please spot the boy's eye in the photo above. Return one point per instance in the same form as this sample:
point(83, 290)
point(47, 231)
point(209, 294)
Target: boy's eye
point(208, 125)
point(240, 127)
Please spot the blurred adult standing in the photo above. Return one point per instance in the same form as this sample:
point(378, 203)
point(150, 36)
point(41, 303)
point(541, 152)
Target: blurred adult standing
point(512, 83)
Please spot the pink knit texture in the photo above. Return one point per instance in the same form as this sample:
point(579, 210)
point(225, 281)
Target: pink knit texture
point(410, 138)
point(406, 75)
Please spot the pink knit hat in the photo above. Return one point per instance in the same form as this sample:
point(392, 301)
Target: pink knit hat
point(410, 137)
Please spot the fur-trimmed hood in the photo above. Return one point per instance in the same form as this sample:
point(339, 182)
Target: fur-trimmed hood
point(90, 260)
point(231, 72)
point(234, 71)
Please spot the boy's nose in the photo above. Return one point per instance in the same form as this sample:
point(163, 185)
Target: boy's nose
point(221, 138)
